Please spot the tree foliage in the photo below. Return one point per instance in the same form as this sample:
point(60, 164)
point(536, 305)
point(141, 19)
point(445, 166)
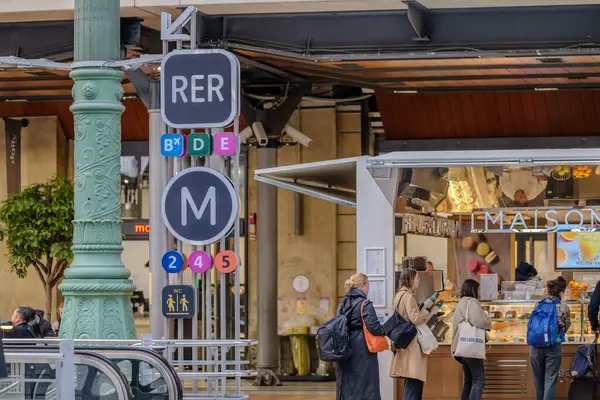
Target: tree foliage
point(36, 227)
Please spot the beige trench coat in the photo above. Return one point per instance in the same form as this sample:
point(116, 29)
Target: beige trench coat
point(409, 362)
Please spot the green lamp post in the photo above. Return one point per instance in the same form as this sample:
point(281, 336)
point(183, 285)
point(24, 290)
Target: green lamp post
point(97, 288)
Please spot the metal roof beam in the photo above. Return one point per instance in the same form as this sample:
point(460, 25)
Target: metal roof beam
point(449, 30)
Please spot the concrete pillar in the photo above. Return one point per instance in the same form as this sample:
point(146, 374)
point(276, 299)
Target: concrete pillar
point(268, 349)
point(375, 228)
point(97, 288)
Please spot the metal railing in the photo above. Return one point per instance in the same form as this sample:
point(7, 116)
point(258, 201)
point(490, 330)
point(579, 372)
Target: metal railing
point(61, 373)
point(207, 376)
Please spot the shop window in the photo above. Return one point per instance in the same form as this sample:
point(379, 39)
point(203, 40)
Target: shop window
point(134, 187)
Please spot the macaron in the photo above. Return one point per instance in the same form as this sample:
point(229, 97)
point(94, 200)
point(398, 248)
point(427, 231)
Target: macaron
point(478, 237)
point(468, 243)
point(491, 257)
point(473, 265)
point(483, 270)
point(483, 249)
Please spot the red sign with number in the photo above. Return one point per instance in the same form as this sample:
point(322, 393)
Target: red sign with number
point(226, 261)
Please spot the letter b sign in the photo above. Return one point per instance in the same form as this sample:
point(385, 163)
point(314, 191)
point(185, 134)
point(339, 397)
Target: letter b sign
point(199, 206)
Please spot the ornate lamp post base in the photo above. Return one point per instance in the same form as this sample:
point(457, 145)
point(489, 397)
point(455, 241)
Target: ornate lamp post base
point(97, 289)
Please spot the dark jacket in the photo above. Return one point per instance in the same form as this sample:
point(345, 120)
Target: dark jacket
point(44, 327)
point(525, 271)
point(358, 378)
point(594, 307)
point(21, 331)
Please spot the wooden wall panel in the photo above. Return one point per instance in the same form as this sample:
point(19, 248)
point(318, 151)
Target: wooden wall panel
point(490, 114)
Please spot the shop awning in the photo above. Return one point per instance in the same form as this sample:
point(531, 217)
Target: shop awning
point(333, 180)
point(464, 158)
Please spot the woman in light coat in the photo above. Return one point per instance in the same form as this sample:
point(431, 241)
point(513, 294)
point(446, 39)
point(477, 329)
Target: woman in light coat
point(468, 309)
point(410, 363)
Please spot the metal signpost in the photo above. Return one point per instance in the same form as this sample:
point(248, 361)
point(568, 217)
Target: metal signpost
point(200, 89)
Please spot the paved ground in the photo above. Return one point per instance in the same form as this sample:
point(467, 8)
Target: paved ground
point(308, 396)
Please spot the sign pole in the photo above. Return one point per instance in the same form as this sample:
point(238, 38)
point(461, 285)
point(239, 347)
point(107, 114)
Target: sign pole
point(158, 233)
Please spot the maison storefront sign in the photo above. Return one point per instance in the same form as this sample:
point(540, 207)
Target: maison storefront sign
point(537, 220)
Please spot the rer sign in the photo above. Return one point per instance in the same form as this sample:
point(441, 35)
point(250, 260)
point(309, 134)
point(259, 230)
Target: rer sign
point(200, 88)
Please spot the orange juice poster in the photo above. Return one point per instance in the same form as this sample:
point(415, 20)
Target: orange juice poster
point(577, 250)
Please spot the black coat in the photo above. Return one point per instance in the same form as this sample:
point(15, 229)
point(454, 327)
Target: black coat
point(358, 378)
point(21, 331)
point(594, 308)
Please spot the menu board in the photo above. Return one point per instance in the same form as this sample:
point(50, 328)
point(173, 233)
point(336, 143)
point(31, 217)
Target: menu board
point(577, 250)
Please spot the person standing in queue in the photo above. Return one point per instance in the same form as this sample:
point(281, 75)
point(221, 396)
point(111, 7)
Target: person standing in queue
point(545, 361)
point(410, 363)
point(358, 377)
point(468, 309)
point(594, 308)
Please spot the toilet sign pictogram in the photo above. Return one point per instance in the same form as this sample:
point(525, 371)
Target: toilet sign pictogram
point(199, 206)
point(178, 301)
point(200, 88)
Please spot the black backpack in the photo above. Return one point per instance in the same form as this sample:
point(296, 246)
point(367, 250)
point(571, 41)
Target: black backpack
point(334, 338)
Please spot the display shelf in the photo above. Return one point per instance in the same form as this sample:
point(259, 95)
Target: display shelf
point(513, 330)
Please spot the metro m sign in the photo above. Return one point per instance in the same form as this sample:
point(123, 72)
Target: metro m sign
point(200, 88)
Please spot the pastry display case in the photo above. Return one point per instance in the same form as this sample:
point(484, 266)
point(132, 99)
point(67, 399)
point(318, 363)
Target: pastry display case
point(510, 318)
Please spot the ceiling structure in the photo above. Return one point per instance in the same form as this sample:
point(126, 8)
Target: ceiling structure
point(426, 47)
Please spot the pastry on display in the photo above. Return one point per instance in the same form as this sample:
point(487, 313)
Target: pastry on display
point(478, 237)
point(492, 257)
point(468, 243)
point(473, 265)
point(483, 249)
point(511, 314)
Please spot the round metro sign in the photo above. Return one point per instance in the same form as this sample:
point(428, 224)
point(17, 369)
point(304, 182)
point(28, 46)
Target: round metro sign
point(199, 206)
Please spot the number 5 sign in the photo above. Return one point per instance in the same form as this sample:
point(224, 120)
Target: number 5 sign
point(226, 261)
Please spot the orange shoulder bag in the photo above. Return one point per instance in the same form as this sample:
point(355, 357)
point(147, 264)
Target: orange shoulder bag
point(375, 344)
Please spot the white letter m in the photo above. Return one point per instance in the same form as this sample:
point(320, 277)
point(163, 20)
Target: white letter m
point(209, 199)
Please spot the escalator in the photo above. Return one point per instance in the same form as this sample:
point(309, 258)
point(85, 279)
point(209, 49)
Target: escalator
point(147, 373)
point(33, 376)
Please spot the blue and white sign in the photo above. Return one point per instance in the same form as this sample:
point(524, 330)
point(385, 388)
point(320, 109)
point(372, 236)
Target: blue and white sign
point(178, 301)
point(172, 145)
point(199, 206)
point(173, 262)
point(200, 88)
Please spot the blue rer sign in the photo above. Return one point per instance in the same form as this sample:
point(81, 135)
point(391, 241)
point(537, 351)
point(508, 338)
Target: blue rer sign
point(199, 206)
point(178, 301)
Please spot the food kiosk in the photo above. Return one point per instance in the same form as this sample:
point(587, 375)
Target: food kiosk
point(480, 202)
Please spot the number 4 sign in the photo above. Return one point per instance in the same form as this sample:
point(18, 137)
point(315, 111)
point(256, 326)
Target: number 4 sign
point(200, 262)
point(226, 261)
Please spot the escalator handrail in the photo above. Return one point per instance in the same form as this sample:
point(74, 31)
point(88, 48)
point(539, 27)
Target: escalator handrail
point(156, 360)
point(107, 366)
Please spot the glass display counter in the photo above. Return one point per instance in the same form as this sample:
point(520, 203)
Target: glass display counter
point(510, 318)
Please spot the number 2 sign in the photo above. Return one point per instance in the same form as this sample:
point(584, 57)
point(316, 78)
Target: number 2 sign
point(226, 261)
point(173, 262)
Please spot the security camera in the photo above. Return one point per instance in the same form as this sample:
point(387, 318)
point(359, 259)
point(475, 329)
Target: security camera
point(246, 134)
point(260, 134)
point(297, 136)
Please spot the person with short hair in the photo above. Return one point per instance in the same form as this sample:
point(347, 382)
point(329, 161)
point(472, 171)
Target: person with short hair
point(430, 266)
point(410, 363)
point(468, 309)
point(358, 377)
point(20, 320)
point(545, 361)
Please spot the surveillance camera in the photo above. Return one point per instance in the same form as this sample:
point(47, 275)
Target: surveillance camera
point(246, 134)
point(298, 136)
point(260, 134)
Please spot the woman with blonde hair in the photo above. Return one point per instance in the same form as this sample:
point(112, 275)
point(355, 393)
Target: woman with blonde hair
point(358, 377)
point(410, 363)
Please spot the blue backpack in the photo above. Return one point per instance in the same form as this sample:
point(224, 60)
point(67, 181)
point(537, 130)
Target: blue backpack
point(542, 328)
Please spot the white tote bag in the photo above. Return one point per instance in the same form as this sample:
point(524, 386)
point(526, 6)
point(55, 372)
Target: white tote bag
point(427, 340)
point(471, 340)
